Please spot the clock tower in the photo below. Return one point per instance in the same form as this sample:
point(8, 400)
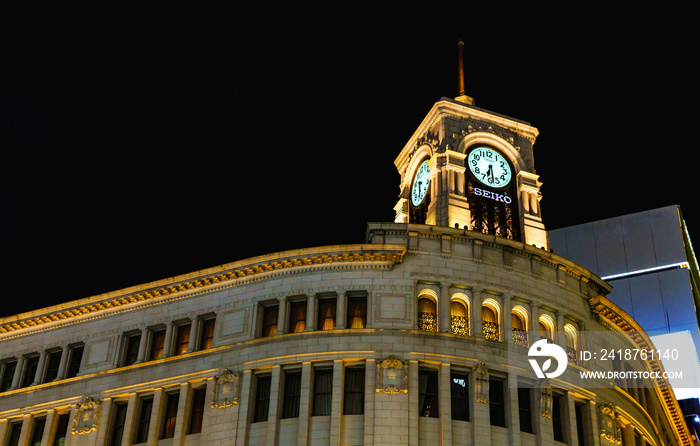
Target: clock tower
point(470, 168)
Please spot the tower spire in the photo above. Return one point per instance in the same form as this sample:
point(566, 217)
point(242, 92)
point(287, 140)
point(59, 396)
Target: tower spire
point(462, 95)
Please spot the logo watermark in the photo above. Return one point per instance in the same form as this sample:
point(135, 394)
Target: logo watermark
point(596, 359)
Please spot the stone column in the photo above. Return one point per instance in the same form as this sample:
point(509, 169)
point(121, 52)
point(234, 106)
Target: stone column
point(475, 323)
point(311, 309)
point(445, 401)
point(560, 335)
point(282, 316)
point(534, 322)
point(304, 404)
point(17, 376)
point(506, 323)
point(40, 368)
point(194, 334)
point(142, 346)
point(168, 343)
point(62, 364)
point(340, 310)
point(275, 410)
point(336, 401)
point(444, 313)
point(512, 409)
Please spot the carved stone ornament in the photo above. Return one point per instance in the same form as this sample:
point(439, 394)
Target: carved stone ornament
point(87, 415)
point(481, 383)
point(227, 389)
point(610, 431)
point(546, 398)
point(392, 376)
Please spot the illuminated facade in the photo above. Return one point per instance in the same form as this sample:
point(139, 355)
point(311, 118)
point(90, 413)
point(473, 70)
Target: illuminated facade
point(419, 336)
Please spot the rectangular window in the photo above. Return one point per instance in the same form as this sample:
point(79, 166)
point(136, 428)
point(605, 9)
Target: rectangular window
point(52, 364)
point(323, 392)
point(118, 420)
point(262, 398)
point(197, 414)
point(37, 431)
point(144, 419)
point(8, 372)
point(525, 409)
point(168, 430)
point(14, 431)
point(207, 339)
point(557, 418)
point(29, 371)
point(357, 312)
point(183, 339)
point(76, 356)
point(459, 393)
point(326, 314)
point(354, 392)
point(292, 395)
point(497, 402)
point(269, 327)
point(131, 353)
point(61, 429)
point(428, 393)
point(297, 317)
point(157, 345)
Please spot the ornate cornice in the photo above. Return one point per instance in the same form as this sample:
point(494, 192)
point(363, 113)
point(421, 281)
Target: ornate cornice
point(615, 318)
point(225, 276)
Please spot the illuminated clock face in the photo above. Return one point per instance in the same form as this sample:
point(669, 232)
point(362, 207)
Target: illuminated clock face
point(489, 167)
point(420, 184)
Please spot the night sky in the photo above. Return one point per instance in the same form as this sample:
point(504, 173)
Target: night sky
point(146, 142)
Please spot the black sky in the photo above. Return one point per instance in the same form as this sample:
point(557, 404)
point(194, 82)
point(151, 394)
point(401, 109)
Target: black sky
point(142, 143)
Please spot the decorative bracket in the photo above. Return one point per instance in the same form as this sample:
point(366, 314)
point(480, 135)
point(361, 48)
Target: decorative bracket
point(392, 376)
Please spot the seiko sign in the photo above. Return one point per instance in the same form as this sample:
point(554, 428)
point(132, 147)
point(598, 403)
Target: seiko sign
point(503, 198)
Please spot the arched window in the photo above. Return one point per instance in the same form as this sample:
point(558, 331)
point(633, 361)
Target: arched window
point(518, 321)
point(427, 314)
point(571, 342)
point(547, 328)
point(459, 317)
point(489, 320)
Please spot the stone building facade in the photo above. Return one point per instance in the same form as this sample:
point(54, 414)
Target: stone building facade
point(419, 336)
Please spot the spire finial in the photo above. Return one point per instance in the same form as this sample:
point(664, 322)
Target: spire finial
point(462, 94)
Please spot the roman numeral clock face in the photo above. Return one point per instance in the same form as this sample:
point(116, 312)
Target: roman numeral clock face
point(420, 184)
point(489, 167)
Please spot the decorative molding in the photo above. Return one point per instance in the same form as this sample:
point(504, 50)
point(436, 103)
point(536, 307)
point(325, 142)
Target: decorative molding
point(610, 431)
point(350, 256)
point(481, 383)
point(227, 389)
point(392, 376)
point(87, 415)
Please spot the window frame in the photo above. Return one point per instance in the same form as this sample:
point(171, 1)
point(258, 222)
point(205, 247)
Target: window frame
point(497, 417)
point(356, 301)
point(169, 421)
point(204, 338)
point(457, 400)
point(197, 408)
point(526, 409)
point(270, 321)
point(428, 395)
point(261, 408)
point(294, 321)
point(326, 302)
point(322, 399)
point(349, 395)
point(114, 421)
point(291, 395)
point(73, 364)
point(141, 420)
point(131, 342)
